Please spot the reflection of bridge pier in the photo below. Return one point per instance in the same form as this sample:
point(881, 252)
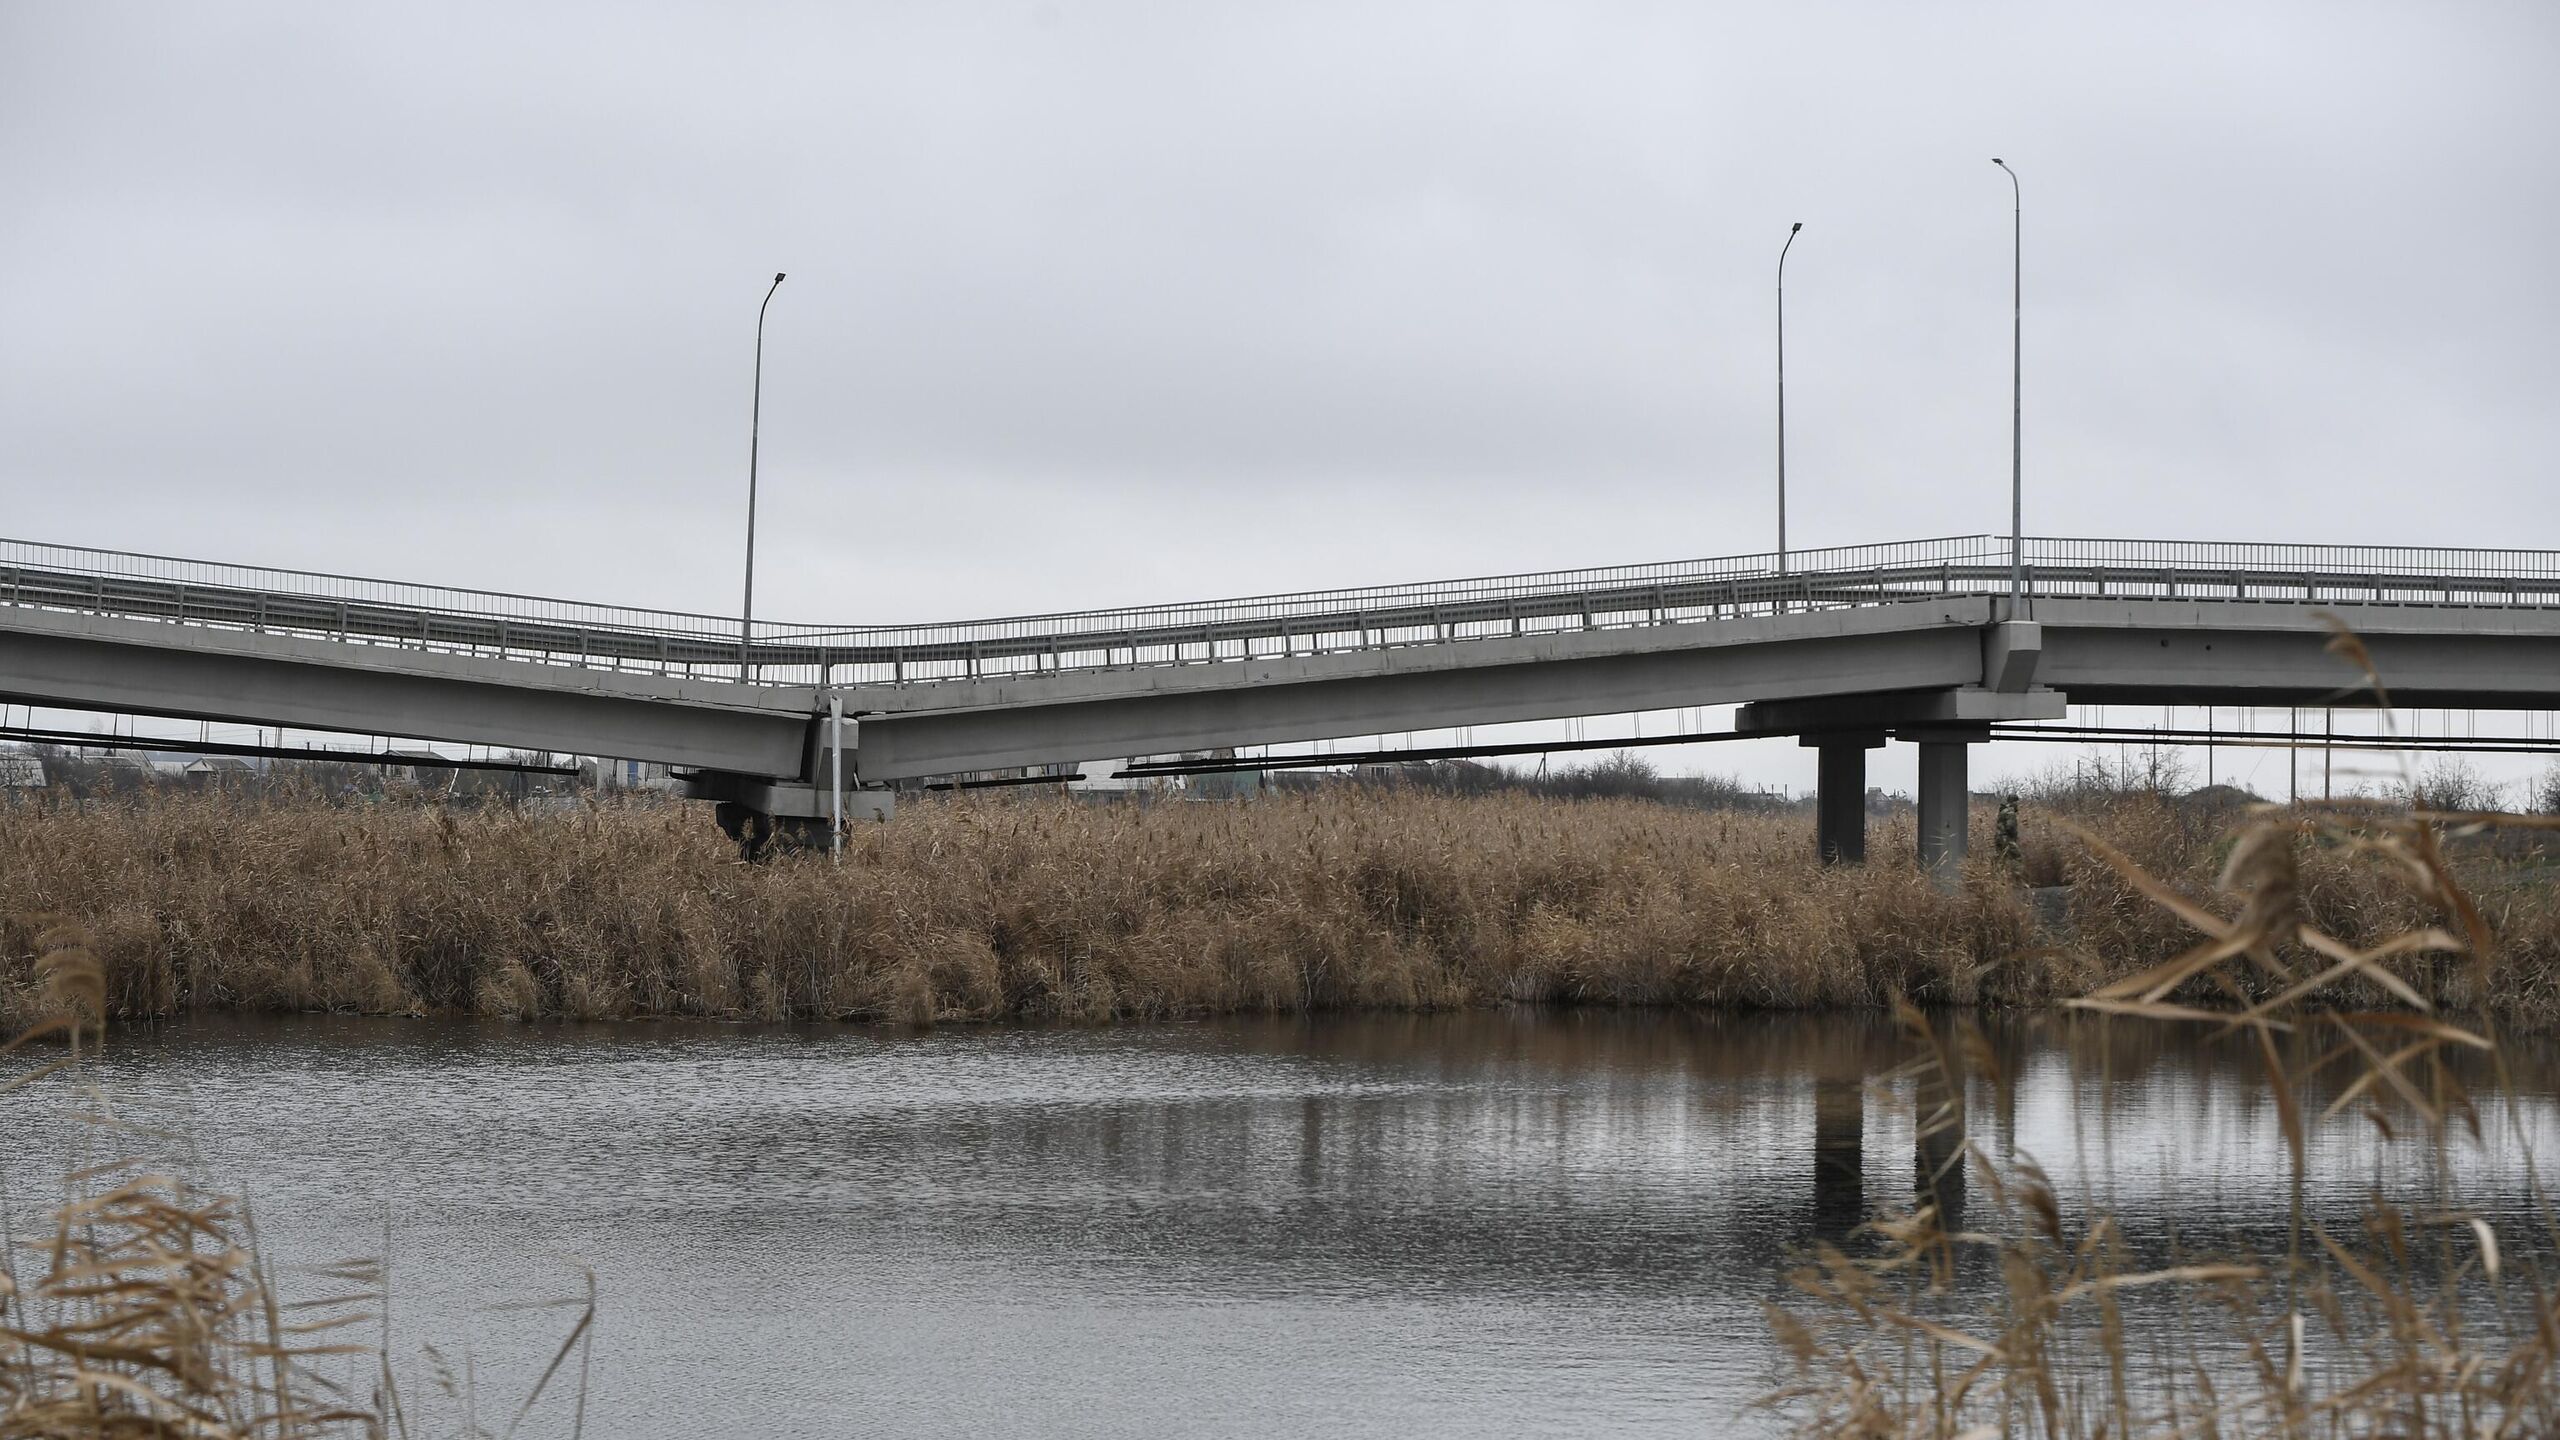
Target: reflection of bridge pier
point(1839, 1156)
point(1840, 1082)
point(1937, 1144)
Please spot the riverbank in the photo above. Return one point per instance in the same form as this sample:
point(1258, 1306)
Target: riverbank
point(1018, 907)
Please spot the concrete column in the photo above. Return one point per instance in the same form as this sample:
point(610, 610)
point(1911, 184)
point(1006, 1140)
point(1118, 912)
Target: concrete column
point(1840, 804)
point(1944, 806)
point(1839, 1157)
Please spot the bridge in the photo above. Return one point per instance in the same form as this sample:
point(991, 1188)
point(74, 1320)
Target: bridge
point(1930, 642)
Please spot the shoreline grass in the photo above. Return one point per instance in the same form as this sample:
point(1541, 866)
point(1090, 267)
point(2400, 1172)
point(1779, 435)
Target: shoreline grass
point(155, 1312)
point(1034, 908)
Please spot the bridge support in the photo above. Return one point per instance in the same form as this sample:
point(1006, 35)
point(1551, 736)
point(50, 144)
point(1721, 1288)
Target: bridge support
point(1845, 727)
point(755, 812)
point(1945, 799)
point(1840, 802)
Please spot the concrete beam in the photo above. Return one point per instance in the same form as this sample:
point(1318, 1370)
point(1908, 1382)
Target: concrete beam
point(2160, 652)
point(1963, 614)
point(133, 667)
point(1263, 702)
point(1963, 706)
point(2010, 652)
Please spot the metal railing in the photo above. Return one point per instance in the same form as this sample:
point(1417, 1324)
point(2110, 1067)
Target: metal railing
point(523, 627)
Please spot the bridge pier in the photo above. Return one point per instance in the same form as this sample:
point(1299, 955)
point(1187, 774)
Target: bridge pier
point(1840, 801)
point(755, 812)
point(1945, 798)
point(1843, 728)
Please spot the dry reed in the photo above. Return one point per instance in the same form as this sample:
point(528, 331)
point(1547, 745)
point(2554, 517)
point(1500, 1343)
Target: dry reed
point(1035, 908)
point(2419, 1322)
point(147, 1309)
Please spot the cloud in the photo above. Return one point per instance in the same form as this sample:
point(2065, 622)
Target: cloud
point(1099, 303)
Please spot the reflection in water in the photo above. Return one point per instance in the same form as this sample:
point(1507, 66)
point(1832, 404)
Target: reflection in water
point(1839, 1156)
point(1490, 1223)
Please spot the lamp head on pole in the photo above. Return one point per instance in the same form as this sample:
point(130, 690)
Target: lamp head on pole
point(777, 277)
point(1795, 227)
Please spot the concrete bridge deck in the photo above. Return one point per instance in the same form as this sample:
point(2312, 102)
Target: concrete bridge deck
point(1844, 647)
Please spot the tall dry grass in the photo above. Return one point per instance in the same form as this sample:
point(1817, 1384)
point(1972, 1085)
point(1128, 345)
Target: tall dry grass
point(980, 908)
point(2419, 1321)
point(145, 1307)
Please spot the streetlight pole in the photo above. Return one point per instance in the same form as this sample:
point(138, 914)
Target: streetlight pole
point(2017, 392)
point(1782, 393)
point(755, 424)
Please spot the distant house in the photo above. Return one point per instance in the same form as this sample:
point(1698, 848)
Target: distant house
point(1100, 784)
point(214, 772)
point(21, 772)
point(1221, 784)
point(635, 775)
point(404, 767)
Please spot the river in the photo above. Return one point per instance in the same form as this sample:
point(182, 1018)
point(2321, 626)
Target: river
point(1508, 1223)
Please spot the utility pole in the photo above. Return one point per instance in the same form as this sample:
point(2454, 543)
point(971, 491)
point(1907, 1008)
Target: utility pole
point(755, 425)
point(2017, 393)
point(1782, 393)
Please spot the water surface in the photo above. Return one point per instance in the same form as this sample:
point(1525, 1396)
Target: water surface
point(1512, 1223)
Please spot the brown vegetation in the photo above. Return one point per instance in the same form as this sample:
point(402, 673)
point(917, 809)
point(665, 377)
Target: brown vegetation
point(1037, 907)
point(2421, 1321)
point(149, 1311)
point(147, 1308)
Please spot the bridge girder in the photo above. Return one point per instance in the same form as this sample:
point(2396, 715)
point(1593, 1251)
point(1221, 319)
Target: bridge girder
point(141, 667)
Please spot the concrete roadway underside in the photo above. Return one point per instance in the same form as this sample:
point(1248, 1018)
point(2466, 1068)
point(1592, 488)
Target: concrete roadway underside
point(1935, 672)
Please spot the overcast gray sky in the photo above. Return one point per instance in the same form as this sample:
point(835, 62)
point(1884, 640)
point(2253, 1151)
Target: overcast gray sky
point(1094, 303)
